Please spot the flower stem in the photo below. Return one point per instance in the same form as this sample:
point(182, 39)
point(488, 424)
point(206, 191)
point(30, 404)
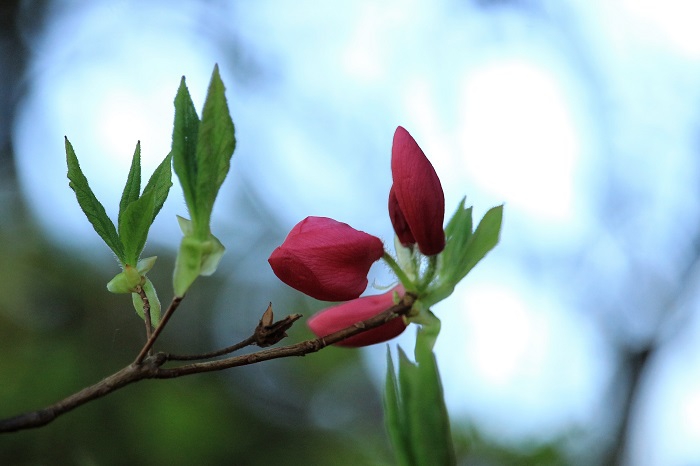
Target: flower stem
point(400, 274)
point(429, 272)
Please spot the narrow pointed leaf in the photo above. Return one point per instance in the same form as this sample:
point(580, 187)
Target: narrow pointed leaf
point(459, 228)
point(464, 248)
point(434, 442)
point(458, 233)
point(184, 148)
point(410, 404)
point(134, 226)
point(393, 416)
point(215, 145)
point(133, 182)
point(160, 183)
point(93, 209)
point(484, 239)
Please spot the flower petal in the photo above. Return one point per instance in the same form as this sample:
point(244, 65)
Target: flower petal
point(344, 315)
point(398, 221)
point(326, 259)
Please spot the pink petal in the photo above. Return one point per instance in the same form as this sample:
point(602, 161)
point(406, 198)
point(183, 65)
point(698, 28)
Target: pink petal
point(398, 221)
point(344, 315)
point(326, 259)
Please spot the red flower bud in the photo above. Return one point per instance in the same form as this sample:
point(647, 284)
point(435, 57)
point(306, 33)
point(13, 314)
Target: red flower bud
point(399, 221)
point(347, 314)
point(326, 259)
point(416, 199)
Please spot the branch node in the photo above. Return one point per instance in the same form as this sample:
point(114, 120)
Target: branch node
point(268, 332)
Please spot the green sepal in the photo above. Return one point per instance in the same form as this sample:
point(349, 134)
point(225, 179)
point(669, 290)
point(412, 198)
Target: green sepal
point(407, 259)
point(126, 281)
point(146, 264)
point(185, 226)
point(91, 207)
point(194, 258)
point(153, 302)
point(213, 251)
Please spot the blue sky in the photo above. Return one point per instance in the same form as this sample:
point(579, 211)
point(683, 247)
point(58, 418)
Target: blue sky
point(545, 110)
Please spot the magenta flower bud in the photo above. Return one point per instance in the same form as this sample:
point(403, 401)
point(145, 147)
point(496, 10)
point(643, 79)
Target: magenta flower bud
point(416, 199)
point(399, 221)
point(326, 259)
point(347, 314)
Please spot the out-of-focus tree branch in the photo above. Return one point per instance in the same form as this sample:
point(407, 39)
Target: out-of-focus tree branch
point(151, 367)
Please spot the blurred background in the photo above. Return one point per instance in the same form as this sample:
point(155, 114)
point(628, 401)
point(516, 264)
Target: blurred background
point(574, 342)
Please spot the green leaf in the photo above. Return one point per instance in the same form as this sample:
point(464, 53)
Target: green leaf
point(134, 226)
point(410, 400)
point(159, 184)
point(94, 211)
point(484, 239)
point(459, 228)
point(393, 416)
point(184, 148)
point(432, 440)
point(420, 425)
point(133, 182)
point(463, 249)
point(215, 145)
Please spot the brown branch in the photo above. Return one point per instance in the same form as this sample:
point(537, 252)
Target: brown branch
point(299, 349)
point(151, 367)
point(41, 417)
point(213, 354)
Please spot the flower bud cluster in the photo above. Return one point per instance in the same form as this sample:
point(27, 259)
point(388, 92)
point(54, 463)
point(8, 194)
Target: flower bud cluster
point(329, 260)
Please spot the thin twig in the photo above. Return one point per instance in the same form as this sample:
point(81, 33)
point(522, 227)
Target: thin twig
point(213, 354)
point(267, 333)
point(146, 312)
point(166, 317)
point(299, 349)
point(151, 367)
